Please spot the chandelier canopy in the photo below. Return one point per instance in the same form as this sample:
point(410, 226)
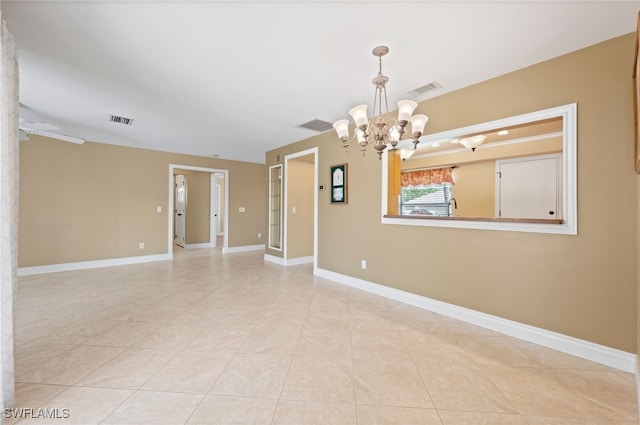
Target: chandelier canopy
point(382, 134)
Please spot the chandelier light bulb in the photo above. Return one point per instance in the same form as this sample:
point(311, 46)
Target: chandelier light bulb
point(359, 115)
point(405, 109)
point(394, 134)
point(342, 128)
point(418, 122)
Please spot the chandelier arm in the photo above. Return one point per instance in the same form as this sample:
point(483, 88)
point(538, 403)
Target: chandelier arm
point(386, 102)
point(375, 100)
point(346, 141)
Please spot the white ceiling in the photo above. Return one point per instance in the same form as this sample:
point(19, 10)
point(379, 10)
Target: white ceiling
point(236, 79)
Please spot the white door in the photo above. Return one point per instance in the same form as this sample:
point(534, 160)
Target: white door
point(214, 210)
point(181, 198)
point(529, 187)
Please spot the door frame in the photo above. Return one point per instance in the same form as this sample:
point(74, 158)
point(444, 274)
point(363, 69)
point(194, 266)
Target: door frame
point(176, 225)
point(170, 209)
point(285, 218)
point(214, 209)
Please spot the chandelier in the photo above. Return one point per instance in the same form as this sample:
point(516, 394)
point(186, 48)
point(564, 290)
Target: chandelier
point(377, 130)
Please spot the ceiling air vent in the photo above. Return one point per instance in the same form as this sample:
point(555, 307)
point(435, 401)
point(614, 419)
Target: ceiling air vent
point(419, 91)
point(120, 120)
point(317, 125)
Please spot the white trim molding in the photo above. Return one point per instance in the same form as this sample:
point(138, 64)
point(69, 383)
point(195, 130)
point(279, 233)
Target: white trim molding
point(198, 245)
point(285, 235)
point(245, 248)
point(638, 384)
point(95, 264)
point(608, 356)
point(290, 261)
point(569, 225)
point(170, 202)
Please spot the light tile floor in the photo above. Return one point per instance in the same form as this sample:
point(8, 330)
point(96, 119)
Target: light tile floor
point(213, 339)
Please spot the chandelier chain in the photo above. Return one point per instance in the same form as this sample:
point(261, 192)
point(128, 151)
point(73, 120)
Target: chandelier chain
point(381, 87)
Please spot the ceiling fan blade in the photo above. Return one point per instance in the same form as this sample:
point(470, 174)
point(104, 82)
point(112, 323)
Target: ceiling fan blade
point(58, 136)
point(23, 136)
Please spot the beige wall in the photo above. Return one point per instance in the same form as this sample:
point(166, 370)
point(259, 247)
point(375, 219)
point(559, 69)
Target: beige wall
point(197, 222)
point(96, 201)
point(300, 194)
point(474, 189)
point(585, 285)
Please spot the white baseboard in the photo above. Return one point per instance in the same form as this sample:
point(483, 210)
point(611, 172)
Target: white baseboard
point(274, 259)
point(245, 248)
point(82, 265)
point(197, 245)
point(587, 350)
point(288, 261)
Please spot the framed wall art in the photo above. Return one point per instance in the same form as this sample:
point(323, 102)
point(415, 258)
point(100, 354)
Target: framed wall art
point(339, 184)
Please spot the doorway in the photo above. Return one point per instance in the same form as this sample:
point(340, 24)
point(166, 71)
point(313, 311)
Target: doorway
point(180, 211)
point(300, 205)
point(205, 208)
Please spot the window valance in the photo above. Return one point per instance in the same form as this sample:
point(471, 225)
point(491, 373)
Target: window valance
point(426, 177)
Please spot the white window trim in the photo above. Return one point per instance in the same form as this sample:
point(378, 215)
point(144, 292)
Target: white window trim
point(569, 225)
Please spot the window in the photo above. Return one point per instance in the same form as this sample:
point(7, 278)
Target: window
point(426, 192)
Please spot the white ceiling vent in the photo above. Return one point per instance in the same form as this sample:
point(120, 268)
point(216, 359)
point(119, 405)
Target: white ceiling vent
point(120, 120)
point(419, 91)
point(317, 125)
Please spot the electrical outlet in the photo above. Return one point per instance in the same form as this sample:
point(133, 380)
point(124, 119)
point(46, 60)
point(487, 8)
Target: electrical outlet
point(259, 235)
point(141, 245)
point(363, 264)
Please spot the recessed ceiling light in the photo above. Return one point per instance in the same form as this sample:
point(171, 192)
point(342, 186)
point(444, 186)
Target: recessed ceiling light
point(503, 132)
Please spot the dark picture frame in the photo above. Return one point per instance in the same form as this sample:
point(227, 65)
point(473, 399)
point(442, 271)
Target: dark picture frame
point(339, 185)
point(636, 99)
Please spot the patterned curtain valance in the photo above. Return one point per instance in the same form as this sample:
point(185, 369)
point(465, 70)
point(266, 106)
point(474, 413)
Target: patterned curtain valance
point(426, 177)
